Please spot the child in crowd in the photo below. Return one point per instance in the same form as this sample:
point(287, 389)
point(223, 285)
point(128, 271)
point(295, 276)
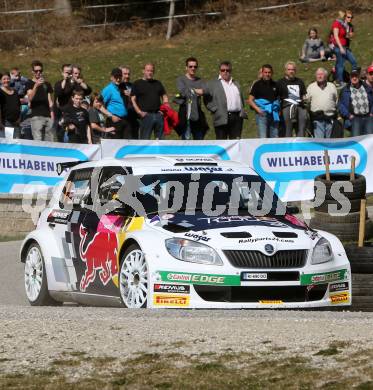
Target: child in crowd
point(98, 120)
point(313, 49)
point(76, 121)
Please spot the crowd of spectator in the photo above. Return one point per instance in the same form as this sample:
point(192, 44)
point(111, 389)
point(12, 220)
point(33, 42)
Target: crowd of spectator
point(70, 112)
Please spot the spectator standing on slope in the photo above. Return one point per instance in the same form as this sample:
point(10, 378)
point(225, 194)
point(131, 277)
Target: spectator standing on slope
point(147, 95)
point(115, 108)
point(264, 100)
point(322, 97)
point(10, 107)
point(292, 92)
point(224, 99)
point(190, 87)
point(76, 121)
point(356, 105)
point(339, 42)
point(126, 87)
point(39, 93)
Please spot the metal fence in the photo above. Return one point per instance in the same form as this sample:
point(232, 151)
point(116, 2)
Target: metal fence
point(170, 16)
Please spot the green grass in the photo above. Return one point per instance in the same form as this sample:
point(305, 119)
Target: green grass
point(220, 371)
point(247, 45)
point(15, 237)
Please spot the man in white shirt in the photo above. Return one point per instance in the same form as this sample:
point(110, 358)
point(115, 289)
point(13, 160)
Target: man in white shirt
point(224, 99)
point(323, 98)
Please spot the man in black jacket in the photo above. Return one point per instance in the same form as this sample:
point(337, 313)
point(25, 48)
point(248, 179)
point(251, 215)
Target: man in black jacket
point(292, 92)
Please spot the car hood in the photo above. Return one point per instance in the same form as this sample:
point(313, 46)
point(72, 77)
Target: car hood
point(235, 229)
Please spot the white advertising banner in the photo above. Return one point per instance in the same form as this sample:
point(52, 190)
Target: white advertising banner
point(290, 165)
point(224, 150)
point(25, 164)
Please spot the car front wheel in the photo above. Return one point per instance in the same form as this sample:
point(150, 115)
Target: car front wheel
point(36, 285)
point(133, 278)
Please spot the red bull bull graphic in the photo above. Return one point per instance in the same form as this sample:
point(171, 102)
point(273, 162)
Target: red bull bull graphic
point(101, 253)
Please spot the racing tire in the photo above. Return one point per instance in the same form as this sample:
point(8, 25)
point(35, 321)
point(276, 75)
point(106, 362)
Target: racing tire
point(361, 259)
point(35, 277)
point(320, 217)
point(134, 278)
point(358, 185)
point(354, 205)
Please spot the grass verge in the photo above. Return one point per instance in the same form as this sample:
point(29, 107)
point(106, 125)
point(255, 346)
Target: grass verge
point(208, 371)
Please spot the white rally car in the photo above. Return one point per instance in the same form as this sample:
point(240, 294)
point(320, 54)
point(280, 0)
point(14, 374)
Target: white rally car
point(178, 232)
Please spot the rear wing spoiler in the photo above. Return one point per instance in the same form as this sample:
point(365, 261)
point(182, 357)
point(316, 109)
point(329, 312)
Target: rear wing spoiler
point(68, 164)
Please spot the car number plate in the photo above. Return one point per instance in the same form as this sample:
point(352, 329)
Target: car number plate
point(254, 276)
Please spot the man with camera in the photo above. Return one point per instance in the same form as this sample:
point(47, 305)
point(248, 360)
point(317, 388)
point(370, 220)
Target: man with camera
point(292, 91)
point(78, 82)
point(39, 93)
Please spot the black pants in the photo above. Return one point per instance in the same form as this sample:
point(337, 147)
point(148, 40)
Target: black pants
point(233, 129)
point(123, 129)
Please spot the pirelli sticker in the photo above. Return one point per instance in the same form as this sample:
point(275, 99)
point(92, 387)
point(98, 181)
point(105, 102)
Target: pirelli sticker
point(271, 302)
point(171, 300)
point(340, 298)
point(324, 277)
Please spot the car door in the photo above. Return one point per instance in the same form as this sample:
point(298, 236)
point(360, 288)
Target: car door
point(98, 234)
point(62, 220)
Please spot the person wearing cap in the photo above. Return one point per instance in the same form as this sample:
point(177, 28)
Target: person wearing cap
point(356, 105)
point(115, 108)
point(369, 77)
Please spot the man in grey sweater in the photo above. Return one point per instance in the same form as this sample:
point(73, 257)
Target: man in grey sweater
point(192, 120)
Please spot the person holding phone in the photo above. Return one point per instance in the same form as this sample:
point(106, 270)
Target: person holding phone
point(39, 93)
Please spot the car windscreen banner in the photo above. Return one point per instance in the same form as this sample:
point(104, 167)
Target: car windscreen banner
point(289, 165)
point(29, 166)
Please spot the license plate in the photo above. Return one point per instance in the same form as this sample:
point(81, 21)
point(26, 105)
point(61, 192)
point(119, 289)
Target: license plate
point(254, 276)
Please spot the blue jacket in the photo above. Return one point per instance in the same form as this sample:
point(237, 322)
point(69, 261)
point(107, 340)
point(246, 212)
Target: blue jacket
point(269, 107)
point(113, 100)
point(345, 106)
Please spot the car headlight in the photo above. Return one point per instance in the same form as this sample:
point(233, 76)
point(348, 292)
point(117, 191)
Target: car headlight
point(192, 251)
point(322, 252)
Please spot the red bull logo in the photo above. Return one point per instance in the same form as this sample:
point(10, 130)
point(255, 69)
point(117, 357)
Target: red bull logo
point(100, 255)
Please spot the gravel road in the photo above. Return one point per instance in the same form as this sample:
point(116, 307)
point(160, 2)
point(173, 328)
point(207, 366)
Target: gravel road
point(34, 338)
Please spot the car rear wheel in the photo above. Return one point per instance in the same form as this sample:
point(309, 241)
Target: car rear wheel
point(134, 278)
point(36, 284)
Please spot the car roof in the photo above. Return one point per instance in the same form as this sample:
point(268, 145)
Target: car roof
point(164, 161)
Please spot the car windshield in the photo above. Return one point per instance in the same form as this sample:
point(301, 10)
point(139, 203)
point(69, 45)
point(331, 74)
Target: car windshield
point(212, 193)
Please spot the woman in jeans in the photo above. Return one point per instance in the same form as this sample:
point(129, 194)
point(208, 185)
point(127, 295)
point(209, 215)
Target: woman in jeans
point(341, 33)
point(10, 104)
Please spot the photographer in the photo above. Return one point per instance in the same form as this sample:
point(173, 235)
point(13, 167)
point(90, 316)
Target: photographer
point(78, 81)
point(292, 92)
point(39, 93)
point(63, 90)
